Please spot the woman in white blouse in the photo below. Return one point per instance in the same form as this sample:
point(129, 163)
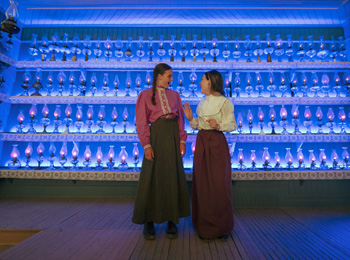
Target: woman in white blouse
point(212, 209)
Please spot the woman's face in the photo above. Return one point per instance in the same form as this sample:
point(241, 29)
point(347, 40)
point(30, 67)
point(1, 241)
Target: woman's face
point(165, 79)
point(205, 86)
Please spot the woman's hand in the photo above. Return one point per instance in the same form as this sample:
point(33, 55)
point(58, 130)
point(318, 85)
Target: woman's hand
point(188, 111)
point(182, 149)
point(213, 124)
point(149, 154)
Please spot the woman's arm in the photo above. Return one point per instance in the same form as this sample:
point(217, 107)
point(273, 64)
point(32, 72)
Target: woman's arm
point(142, 121)
point(228, 123)
point(181, 121)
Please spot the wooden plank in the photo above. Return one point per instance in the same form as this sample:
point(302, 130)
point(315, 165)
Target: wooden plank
point(301, 249)
point(251, 248)
point(282, 246)
point(192, 240)
point(314, 245)
point(25, 246)
point(236, 247)
point(101, 228)
point(104, 241)
point(149, 253)
point(130, 244)
point(160, 236)
point(186, 239)
point(326, 230)
point(266, 248)
point(199, 247)
point(179, 249)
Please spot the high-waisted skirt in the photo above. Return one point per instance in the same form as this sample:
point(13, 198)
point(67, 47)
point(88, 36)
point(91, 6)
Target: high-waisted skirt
point(162, 193)
point(212, 208)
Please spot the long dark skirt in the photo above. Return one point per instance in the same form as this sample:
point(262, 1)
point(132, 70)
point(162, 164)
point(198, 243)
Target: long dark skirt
point(212, 209)
point(162, 193)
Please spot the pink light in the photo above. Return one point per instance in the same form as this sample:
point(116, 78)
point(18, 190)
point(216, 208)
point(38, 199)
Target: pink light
point(68, 110)
point(330, 114)
point(14, 153)
point(33, 111)
point(20, 117)
point(45, 111)
point(40, 149)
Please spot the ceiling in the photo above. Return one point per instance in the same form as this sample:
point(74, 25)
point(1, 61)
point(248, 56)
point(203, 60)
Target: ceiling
point(182, 13)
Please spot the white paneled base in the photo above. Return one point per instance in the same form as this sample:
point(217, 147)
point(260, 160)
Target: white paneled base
point(134, 176)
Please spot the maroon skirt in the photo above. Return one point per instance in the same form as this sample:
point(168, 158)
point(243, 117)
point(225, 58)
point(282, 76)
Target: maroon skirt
point(212, 208)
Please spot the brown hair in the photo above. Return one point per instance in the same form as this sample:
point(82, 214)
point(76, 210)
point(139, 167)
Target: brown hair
point(159, 69)
point(216, 80)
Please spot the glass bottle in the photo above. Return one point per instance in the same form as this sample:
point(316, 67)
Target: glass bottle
point(161, 52)
point(236, 53)
point(204, 51)
point(290, 50)
point(258, 51)
point(311, 52)
point(226, 52)
point(194, 51)
point(322, 53)
point(87, 44)
point(279, 51)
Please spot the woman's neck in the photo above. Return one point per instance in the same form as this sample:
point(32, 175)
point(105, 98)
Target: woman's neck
point(214, 94)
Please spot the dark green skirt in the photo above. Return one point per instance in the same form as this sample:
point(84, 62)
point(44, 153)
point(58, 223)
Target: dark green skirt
point(162, 193)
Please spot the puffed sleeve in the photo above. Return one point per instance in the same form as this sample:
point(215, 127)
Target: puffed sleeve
point(181, 120)
point(228, 123)
point(142, 121)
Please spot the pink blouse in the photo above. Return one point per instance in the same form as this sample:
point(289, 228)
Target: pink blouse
point(168, 105)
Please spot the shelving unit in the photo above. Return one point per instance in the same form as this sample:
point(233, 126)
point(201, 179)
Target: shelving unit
point(244, 141)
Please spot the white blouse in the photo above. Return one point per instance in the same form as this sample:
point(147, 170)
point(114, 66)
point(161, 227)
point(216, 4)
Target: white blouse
point(219, 108)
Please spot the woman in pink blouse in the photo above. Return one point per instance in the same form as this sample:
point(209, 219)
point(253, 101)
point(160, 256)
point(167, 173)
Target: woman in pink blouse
point(162, 191)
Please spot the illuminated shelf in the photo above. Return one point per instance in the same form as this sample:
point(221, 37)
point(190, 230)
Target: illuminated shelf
point(33, 65)
point(134, 176)
point(4, 98)
point(7, 60)
point(192, 100)
point(14, 137)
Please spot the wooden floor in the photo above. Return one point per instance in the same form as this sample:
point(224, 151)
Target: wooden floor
point(101, 228)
